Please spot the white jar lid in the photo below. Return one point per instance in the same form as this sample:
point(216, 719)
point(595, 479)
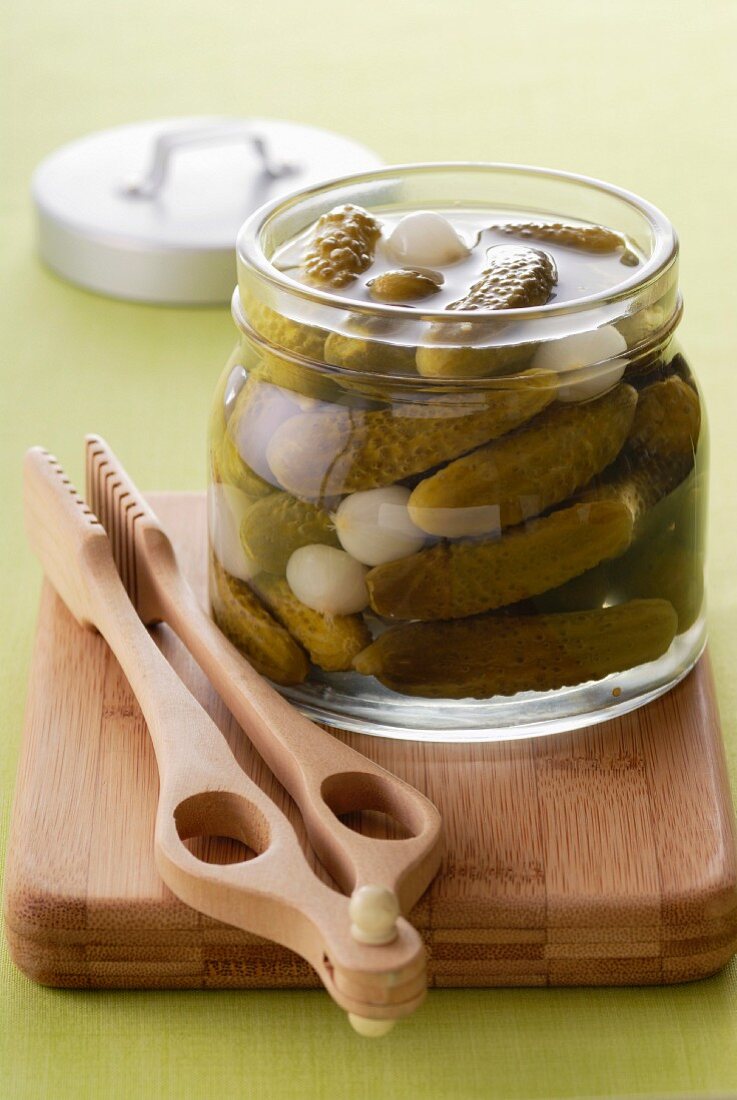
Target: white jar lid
point(151, 211)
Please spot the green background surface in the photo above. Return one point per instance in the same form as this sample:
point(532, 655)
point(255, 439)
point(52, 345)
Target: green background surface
point(642, 94)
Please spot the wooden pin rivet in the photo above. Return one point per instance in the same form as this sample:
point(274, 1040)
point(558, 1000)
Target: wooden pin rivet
point(374, 911)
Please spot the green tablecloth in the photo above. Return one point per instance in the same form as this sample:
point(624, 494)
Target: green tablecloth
point(640, 94)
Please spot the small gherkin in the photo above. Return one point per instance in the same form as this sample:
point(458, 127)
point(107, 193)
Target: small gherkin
point(284, 332)
point(659, 453)
point(332, 641)
point(515, 277)
point(664, 560)
point(342, 246)
point(245, 621)
point(308, 383)
point(361, 353)
point(303, 345)
point(527, 472)
point(318, 455)
point(501, 655)
point(589, 238)
point(454, 579)
point(638, 485)
point(459, 357)
point(666, 569)
point(278, 524)
point(403, 285)
point(668, 420)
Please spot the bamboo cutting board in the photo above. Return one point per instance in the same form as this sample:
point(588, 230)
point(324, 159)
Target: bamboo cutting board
point(601, 856)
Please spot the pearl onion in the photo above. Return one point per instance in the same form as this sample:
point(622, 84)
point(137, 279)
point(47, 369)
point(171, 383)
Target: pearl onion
point(226, 507)
point(373, 911)
point(327, 580)
point(374, 526)
point(257, 425)
point(425, 239)
point(574, 354)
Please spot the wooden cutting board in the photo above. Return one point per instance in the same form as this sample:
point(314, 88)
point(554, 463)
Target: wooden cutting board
point(601, 856)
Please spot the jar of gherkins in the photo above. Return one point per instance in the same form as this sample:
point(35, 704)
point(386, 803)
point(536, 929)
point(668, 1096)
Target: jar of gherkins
point(457, 457)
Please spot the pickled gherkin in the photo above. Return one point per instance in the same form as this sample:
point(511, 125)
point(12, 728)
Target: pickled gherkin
point(455, 579)
point(638, 486)
point(659, 453)
point(246, 622)
point(278, 524)
point(361, 353)
point(515, 277)
point(468, 360)
point(342, 246)
point(405, 285)
point(668, 420)
point(664, 568)
point(291, 376)
point(305, 340)
point(501, 655)
point(663, 561)
point(332, 641)
point(334, 451)
point(589, 238)
point(525, 473)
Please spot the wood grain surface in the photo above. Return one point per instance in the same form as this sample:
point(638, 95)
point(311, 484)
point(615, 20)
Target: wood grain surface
point(601, 856)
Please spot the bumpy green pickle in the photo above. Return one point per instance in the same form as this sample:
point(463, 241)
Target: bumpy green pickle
point(663, 567)
point(342, 246)
point(659, 452)
point(452, 580)
point(668, 420)
point(527, 472)
point(334, 451)
point(250, 627)
point(639, 487)
point(501, 655)
point(470, 361)
point(278, 524)
point(332, 641)
point(404, 285)
point(589, 238)
point(361, 353)
point(305, 340)
point(515, 277)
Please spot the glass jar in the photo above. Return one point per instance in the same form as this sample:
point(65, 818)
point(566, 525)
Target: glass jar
point(511, 503)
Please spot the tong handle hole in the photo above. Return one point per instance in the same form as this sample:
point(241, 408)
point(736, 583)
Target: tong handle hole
point(221, 827)
point(367, 804)
point(375, 823)
point(219, 849)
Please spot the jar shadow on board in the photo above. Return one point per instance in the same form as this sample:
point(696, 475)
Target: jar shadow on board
point(457, 458)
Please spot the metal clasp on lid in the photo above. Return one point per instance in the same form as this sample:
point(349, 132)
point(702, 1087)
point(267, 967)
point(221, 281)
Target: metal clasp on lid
point(149, 183)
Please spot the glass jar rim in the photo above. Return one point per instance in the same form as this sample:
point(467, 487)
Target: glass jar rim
point(663, 255)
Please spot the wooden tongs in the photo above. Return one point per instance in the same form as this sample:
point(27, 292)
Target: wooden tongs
point(118, 572)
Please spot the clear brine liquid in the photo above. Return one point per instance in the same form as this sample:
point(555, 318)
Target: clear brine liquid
point(580, 272)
